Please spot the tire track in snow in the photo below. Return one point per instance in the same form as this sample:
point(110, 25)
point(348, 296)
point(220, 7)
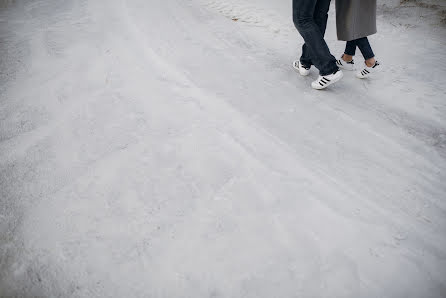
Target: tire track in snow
point(256, 133)
point(251, 15)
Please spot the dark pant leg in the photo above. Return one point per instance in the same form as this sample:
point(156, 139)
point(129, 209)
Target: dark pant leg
point(321, 15)
point(365, 48)
point(306, 15)
point(350, 48)
point(321, 19)
point(305, 59)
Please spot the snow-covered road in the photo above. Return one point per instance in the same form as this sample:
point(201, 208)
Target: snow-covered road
point(167, 149)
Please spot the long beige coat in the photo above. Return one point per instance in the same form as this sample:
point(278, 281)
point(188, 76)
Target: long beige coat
point(355, 18)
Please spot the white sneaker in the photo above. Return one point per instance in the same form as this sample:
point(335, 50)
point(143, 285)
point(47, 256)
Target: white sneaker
point(366, 71)
point(341, 63)
point(299, 67)
point(324, 81)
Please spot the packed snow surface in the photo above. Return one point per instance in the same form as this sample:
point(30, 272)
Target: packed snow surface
point(167, 149)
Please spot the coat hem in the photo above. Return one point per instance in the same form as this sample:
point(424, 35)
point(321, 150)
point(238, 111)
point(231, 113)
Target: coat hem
point(356, 36)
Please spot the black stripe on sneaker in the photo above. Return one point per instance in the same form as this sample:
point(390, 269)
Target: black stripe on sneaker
point(366, 71)
point(326, 79)
point(321, 84)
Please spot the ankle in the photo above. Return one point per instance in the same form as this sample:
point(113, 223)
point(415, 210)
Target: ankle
point(370, 62)
point(347, 58)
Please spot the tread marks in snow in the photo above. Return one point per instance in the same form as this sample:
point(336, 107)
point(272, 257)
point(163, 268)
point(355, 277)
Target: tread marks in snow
point(251, 15)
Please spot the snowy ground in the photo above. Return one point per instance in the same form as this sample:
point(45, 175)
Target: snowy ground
point(163, 149)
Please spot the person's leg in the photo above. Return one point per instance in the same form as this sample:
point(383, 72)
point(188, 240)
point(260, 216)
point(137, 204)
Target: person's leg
point(372, 65)
point(350, 51)
point(320, 18)
point(346, 61)
point(316, 47)
point(366, 50)
point(321, 14)
point(305, 59)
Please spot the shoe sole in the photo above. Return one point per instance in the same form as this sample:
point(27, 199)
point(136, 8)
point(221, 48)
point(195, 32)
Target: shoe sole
point(336, 79)
point(362, 77)
point(346, 68)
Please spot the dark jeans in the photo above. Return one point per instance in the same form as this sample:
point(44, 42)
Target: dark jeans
point(363, 45)
point(310, 18)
